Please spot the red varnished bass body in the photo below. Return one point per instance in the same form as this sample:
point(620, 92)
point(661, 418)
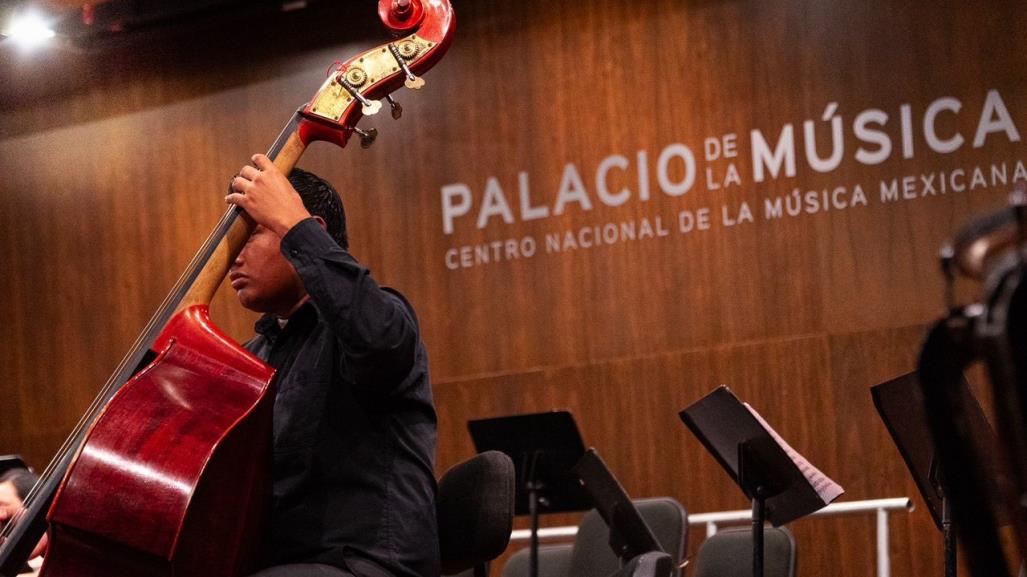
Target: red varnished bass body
point(173, 478)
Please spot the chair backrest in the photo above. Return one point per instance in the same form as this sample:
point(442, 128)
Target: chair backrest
point(553, 561)
point(728, 553)
point(592, 556)
point(474, 509)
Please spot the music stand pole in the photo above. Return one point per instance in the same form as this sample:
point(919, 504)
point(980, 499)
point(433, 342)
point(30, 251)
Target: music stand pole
point(949, 529)
point(754, 478)
point(759, 510)
point(533, 486)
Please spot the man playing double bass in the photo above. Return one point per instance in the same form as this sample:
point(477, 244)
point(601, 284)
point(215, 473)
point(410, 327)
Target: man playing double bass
point(354, 424)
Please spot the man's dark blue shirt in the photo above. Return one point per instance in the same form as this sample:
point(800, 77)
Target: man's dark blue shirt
point(354, 424)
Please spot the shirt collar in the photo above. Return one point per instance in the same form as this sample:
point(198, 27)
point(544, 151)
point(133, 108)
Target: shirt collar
point(268, 325)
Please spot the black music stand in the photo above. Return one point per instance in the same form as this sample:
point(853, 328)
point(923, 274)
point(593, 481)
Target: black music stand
point(544, 448)
point(900, 403)
point(758, 463)
point(630, 537)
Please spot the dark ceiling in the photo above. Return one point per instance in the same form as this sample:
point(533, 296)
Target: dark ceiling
point(89, 24)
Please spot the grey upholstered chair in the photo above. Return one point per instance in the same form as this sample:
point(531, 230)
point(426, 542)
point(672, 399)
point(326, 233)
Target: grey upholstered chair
point(728, 553)
point(553, 561)
point(591, 556)
point(474, 509)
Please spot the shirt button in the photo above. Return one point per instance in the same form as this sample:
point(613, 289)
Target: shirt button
point(294, 252)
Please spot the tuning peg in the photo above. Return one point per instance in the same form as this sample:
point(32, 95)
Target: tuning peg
point(397, 110)
point(370, 107)
point(401, 9)
point(413, 81)
point(367, 137)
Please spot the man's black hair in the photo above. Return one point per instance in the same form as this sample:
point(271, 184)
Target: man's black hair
point(22, 479)
point(321, 199)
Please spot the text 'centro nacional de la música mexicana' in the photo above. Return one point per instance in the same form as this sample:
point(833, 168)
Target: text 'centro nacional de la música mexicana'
point(676, 170)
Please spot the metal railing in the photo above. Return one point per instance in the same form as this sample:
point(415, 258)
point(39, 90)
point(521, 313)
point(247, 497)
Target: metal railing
point(881, 508)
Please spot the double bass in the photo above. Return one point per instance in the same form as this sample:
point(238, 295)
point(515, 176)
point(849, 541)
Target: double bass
point(168, 472)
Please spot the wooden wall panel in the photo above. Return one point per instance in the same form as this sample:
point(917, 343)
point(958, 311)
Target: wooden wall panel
point(112, 175)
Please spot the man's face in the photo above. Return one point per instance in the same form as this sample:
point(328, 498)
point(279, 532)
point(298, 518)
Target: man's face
point(264, 281)
point(9, 501)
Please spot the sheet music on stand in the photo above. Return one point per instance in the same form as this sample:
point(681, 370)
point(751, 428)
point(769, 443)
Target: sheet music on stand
point(723, 424)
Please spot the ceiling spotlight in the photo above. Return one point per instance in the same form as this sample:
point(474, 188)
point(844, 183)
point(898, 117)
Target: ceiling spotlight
point(28, 30)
